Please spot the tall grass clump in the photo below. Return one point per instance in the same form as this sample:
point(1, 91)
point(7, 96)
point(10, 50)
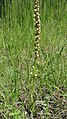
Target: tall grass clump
point(32, 60)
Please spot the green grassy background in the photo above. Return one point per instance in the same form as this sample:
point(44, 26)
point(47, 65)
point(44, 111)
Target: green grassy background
point(17, 58)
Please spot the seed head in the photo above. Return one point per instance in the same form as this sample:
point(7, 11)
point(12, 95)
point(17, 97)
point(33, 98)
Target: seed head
point(37, 28)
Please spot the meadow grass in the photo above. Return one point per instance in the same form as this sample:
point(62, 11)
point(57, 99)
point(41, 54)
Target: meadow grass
point(24, 94)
